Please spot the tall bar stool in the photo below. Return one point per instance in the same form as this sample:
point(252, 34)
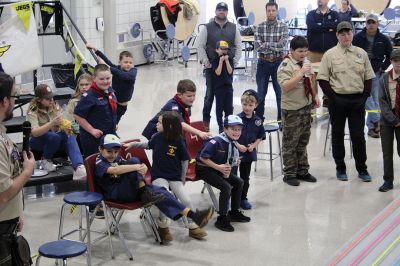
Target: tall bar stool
point(83, 200)
point(63, 250)
point(269, 129)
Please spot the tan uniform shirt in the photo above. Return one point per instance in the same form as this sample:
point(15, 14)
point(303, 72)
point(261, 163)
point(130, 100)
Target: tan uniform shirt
point(296, 97)
point(69, 114)
point(346, 69)
point(10, 168)
point(39, 117)
point(392, 88)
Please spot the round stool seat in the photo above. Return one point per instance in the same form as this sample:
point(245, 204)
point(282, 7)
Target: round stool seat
point(62, 249)
point(83, 198)
point(270, 128)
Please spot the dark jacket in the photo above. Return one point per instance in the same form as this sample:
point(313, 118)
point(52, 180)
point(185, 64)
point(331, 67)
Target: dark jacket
point(346, 16)
point(321, 30)
point(382, 48)
point(388, 116)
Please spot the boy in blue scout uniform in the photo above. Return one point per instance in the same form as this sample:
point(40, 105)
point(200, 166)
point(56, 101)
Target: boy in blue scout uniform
point(214, 164)
point(252, 134)
point(222, 82)
point(182, 104)
point(123, 80)
point(169, 168)
point(296, 78)
point(96, 112)
point(122, 181)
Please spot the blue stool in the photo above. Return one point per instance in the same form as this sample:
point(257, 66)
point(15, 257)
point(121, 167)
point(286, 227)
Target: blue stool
point(269, 129)
point(62, 249)
point(85, 199)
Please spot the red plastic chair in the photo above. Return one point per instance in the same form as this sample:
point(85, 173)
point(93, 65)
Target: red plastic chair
point(194, 143)
point(116, 210)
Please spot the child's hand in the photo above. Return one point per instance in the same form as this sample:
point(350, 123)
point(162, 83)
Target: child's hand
point(57, 120)
point(317, 102)
point(142, 169)
point(251, 147)
point(101, 61)
point(96, 133)
point(225, 169)
point(91, 46)
point(205, 135)
point(306, 69)
point(241, 147)
point(226, 57)
point(221, 58)
point(127, 146)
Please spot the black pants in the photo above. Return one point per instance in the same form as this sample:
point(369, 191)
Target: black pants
point(229, 187)
point(351, 107)
point(245, 169)
point(121, 110)
point(387, 137)
point(7, 229)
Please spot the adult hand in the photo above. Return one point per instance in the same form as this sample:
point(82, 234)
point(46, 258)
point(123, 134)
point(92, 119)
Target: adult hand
point(96, 133)
point(241, 147)
point(251, 147)
point(29, 163)
point(317, 102)
point(57, 120)
point(20, 224)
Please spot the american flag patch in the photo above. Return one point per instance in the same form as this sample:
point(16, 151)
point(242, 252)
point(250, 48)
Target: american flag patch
point(213, 141)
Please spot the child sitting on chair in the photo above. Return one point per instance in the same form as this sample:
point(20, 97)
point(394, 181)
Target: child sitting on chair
point(122, 181)
point(170, 164)
point(51, 133)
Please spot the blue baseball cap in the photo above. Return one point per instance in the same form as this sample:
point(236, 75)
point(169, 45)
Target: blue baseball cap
point(110, 141)
point(233, 120)
point(251, 92)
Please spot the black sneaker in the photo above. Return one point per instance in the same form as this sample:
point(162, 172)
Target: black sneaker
point(291, 181)
point(387, 185)
point(224, 224)
point(202, 217)
point(365, 177)
point(149, 198)
point(238, 216)
point(307, 177)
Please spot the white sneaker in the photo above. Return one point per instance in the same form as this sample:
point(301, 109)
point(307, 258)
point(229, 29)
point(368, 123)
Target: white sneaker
point(48, 165)
point(79, 173)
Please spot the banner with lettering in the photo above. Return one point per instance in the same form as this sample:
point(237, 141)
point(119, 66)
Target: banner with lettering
point(46, 12)
point(19, 44)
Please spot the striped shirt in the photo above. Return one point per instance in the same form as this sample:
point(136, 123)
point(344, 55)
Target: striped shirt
point(270, 37)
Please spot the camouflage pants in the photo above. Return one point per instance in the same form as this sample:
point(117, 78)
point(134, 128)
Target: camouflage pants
point(296, 135)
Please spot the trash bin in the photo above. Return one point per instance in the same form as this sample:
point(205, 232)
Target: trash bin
point(63, 75)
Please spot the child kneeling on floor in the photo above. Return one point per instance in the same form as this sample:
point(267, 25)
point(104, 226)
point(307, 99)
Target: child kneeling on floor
point(214, 165)
point(123, 181)
point(170, 164)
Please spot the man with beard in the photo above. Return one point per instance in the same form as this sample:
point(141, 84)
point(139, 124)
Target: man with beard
point(13, 174)
point(270, 40)
point(218, 29)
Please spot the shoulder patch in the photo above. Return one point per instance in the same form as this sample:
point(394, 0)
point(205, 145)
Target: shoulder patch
point(175, 108)
point(84, 94)
point(213, 141)
point(258, 122)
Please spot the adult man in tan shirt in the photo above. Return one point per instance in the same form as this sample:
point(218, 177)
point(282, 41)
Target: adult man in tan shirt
point(345, 76)
point(13, 175)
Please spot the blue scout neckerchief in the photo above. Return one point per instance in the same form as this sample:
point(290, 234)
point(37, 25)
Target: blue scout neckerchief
point(233, 153)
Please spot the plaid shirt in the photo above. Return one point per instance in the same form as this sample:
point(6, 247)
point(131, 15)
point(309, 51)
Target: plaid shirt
point(271, 38)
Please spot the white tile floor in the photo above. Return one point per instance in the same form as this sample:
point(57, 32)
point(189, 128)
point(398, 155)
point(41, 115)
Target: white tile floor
point(302, 225)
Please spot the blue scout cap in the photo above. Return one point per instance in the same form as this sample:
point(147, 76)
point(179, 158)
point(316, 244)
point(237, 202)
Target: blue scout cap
point(110, 141)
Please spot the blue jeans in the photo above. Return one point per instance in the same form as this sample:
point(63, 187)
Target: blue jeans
point(50, 142)
point(372, 102)
point(209, 97)
point(265, 70)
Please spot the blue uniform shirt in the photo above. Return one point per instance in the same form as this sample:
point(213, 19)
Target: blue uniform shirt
point(225, 79)
point(123, 82)
point(97, 111)
point(252, 130)
point(215, 149)
point(167, 157)
point(106, 181)
point(171, 105)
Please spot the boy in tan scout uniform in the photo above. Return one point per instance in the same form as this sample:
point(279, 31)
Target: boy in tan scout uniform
point(345, 76)
point(298, 96)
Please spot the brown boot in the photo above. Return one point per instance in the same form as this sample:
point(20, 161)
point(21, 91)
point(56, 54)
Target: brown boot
point(373, 134)
point(165, 234)
point(197, 233)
